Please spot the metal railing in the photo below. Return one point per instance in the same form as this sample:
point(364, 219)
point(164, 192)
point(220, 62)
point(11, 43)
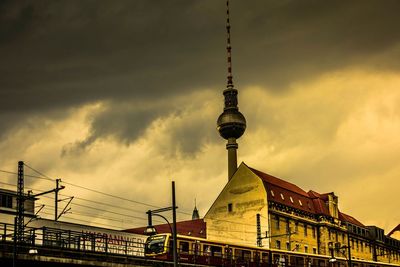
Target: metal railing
point(74, 240)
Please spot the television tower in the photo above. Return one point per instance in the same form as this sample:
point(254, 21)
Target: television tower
point(231, 124)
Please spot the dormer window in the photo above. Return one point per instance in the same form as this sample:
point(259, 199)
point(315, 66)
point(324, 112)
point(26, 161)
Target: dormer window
point(301, 204)
point(291, 200)
point(272, 193)
point(283, 198)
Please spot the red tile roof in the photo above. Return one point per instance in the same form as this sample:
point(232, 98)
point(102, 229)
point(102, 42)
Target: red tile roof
point(196, 228)
point(294, 196)
point(279, 182)
point(286, 193)
point(350, 219)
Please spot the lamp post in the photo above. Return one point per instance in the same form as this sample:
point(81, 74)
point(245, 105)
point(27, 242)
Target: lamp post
point(342, 250)
point(150, 229)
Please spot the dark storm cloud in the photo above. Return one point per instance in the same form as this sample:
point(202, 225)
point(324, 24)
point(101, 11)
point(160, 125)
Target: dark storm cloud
point(296, 39)
point(58, 54)
point(79, 51)
point(66, 52)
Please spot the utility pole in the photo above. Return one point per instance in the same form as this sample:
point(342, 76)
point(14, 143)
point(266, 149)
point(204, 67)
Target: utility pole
point(58, 188)
point(19, 226)
point(20, 202)
point(174, 226)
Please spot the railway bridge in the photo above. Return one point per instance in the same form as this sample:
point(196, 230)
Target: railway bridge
point(29, 256)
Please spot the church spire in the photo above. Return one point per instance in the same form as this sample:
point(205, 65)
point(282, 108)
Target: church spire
point(195, 214)
point(231, 124)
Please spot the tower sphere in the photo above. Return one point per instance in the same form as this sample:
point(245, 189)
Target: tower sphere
point(231, 124)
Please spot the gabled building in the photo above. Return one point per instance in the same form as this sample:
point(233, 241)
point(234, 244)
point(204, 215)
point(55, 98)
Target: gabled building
point(255, 208)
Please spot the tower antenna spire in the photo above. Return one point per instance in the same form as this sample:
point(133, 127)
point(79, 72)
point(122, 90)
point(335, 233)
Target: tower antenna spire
point(229, 47)
point(231, 124)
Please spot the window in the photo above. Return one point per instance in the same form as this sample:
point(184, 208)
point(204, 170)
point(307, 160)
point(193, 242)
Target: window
point(272, 193)
point(278, 244)
point(230, 208)
point(313, 231)
point(288, 246)
point(314, 250)
point(291, 199)
point(184, 246)
point(277, 222)
point(301, 204)
point(305, 229)
point(283, 198)
point(287, 226)
point(305, 249)
point(6, 201)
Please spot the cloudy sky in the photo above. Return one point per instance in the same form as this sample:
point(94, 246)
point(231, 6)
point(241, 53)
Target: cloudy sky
point(122, 97)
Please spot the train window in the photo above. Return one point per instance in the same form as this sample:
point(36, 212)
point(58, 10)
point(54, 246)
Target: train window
point(264, 257)
point(184, 246)
point(216, 251)
point(243, 254)
point(196, 247)
point(246, 255)
point(228, 252)
point(296, 261)
point(206, 250)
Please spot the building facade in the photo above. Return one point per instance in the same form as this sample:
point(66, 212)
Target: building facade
point(255, 208)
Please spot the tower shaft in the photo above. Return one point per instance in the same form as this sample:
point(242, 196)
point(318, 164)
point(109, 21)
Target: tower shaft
point(232, 147)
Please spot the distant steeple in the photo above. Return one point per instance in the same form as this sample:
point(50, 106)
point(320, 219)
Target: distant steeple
point(231, 124)
point(195, 214)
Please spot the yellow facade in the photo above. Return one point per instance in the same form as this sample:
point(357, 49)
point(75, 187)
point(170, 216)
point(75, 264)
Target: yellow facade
point(232, 218)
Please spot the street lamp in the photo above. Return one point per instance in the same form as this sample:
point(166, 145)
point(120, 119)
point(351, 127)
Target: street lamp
point(151, 230)
point(342, 249)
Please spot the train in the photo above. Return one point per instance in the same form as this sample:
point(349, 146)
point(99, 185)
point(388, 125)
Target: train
point(199, 251)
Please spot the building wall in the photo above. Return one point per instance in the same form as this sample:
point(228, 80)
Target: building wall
point(232, 217)
point(290, 233)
